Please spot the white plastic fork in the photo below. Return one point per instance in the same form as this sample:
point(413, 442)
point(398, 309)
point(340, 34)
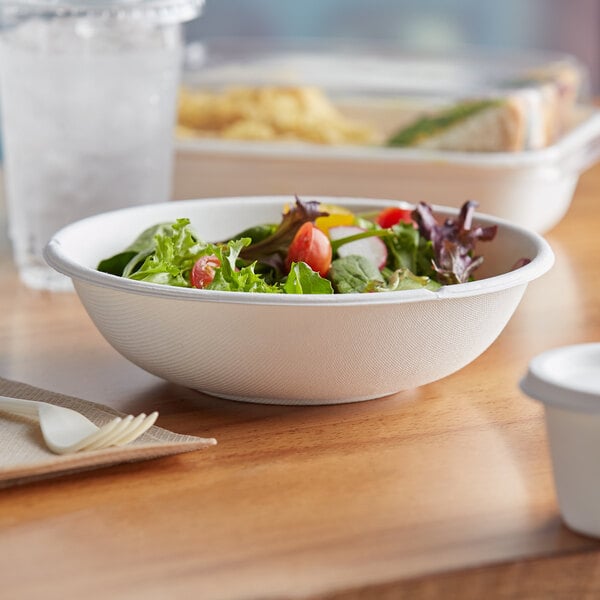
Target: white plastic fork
point(66, 431)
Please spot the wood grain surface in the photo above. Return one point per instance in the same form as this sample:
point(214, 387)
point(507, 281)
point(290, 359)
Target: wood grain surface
point(441, 492)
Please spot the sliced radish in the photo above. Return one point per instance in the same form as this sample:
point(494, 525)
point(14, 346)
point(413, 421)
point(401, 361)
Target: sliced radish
point(371, 247)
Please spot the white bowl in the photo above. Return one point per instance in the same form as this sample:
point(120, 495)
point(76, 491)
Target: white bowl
point(567, 381)
point(290, 349)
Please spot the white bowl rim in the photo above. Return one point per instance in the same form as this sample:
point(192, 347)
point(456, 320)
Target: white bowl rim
point(58, 259)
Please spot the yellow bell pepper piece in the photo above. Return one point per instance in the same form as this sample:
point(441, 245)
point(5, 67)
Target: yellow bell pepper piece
point(337, 216)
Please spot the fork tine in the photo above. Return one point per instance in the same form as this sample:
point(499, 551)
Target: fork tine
point(102, 431)
point(133, 425)
point(139, 429)
point(106, 440)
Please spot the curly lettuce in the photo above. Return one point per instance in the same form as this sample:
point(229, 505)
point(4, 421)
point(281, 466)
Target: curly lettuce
point(453, 242)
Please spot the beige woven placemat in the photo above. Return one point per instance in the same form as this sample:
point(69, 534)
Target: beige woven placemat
point(24, 456)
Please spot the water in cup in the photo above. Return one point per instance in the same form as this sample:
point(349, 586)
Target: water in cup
point(88, 110)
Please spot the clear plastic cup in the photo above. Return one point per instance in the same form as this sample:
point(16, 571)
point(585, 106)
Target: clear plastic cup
point(88, 96)
point(567, 382)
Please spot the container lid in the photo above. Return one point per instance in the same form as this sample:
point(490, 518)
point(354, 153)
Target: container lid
point(566, 377)
point(162, 11)
point(367, 67)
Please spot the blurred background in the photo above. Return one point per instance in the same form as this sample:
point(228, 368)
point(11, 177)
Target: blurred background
point(557, 25)
point(570, 26)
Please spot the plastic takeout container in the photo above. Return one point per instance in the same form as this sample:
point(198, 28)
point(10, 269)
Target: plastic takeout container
point(160, 11)
point(381, 85)
point(567, 381)
point(291, 348)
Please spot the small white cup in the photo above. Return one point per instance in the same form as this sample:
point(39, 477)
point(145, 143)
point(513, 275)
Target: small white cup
point(567, 381)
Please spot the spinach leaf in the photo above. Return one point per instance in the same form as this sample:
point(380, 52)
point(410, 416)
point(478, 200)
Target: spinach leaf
point(257, 233)
point(353, 274)
point(303, 280)
point(403, 246)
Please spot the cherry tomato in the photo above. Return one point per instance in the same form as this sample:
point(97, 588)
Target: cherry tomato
point(393, 215)
point(312, 246)
point(203, 271)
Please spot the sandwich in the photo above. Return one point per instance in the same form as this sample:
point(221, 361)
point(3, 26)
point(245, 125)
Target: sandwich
point(532, 115)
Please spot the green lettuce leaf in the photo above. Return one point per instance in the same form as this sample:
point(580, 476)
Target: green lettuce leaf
point(125, 262)
point(174, 256)
point(403, 279)
point(230, 278)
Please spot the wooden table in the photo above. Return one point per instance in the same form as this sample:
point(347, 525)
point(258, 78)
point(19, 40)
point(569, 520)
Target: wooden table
point(441, 492)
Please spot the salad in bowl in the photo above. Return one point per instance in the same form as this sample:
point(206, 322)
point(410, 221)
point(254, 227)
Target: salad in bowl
point(316, 248)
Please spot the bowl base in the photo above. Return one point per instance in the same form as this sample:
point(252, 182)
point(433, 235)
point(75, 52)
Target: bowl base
point(293, 401)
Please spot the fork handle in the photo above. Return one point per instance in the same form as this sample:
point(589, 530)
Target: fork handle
point(18, 406)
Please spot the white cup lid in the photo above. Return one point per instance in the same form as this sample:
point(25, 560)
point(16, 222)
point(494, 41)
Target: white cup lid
point(566, 377)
